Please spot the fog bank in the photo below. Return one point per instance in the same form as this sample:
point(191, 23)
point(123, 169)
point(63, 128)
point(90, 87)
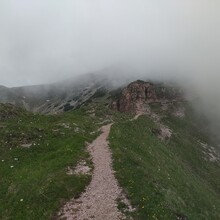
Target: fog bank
point(43, 41)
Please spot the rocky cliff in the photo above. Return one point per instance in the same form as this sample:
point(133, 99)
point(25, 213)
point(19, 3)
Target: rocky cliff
point(137, 95)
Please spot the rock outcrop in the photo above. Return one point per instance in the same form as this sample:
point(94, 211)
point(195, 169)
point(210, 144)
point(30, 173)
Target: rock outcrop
point(137, 95)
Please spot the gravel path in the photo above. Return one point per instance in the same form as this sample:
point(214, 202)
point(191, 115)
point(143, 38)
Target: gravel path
point(99, 200)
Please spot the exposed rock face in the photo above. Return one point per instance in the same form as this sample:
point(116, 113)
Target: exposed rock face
point(134, 96)
point(137, 95)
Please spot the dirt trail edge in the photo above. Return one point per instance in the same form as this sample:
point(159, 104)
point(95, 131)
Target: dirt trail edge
point(99, 200)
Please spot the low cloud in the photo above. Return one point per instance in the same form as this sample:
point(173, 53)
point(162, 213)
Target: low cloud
point(43, 41)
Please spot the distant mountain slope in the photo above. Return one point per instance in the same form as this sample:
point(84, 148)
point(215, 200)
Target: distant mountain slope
point(54, 98)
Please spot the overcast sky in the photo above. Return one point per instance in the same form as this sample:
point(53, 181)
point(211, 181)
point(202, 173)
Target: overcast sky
point(48, 40)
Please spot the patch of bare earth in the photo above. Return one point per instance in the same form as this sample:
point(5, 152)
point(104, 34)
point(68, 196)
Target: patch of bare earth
point(99, 201)
point(28, 145)
point(179, 113)
point(81, 168)
point(165, 132)
point(209, 152)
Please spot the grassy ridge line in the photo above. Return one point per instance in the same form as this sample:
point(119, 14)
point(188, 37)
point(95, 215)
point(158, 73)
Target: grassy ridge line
point(165, 180)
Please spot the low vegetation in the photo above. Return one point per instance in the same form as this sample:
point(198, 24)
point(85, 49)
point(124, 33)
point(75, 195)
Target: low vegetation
point(169, 179)
point(35, 151)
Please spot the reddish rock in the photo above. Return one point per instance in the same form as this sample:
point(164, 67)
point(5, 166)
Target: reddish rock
point(135, 97)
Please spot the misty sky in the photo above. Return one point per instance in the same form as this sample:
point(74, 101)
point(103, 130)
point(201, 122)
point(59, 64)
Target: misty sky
point(48, 40)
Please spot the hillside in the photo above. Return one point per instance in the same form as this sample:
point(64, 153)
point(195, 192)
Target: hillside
point(38, 154)
point(35, 153)
point(172, 175)
point(52, 98)
point(167, 166)
point(64, 95)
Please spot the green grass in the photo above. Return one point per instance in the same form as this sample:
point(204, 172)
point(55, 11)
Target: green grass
point(34, 183)
point(165, 180)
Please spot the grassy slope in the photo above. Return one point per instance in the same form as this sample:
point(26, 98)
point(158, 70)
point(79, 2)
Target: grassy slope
point(162, 180)
point(36, 185)
point(166, 180)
